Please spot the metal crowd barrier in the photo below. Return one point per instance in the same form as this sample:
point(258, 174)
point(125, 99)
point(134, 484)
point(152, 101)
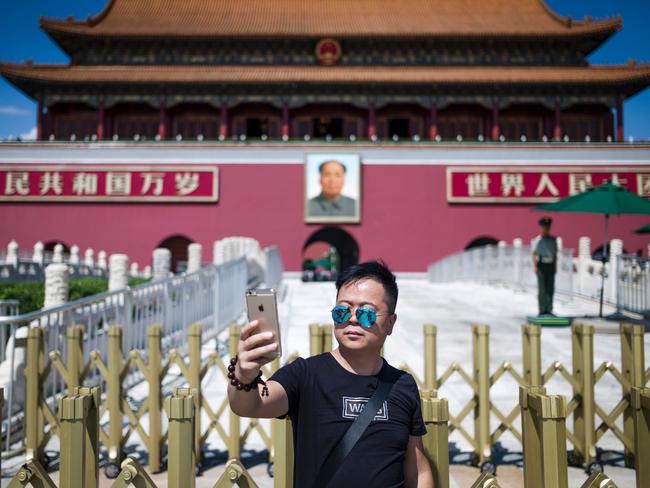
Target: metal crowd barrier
point(633, 284)
point(274, 267)
point(9, 308)
point(543, 427)
point(212, 297)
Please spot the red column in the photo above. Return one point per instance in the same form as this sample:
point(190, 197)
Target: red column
point(285, 122)
point(372, 123)
point(433, 124)
point(223, 122)
point(557, 125)
point(100, 121)
point(496, 130)
point(39, 122)
point(620, 133)
point(162, 122)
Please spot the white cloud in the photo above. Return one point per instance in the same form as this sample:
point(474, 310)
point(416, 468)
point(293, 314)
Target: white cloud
point(13, 110)
point(29, 136)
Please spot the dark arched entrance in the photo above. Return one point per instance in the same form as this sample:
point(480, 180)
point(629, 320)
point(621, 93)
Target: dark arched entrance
point(178, 247)
point(482, 241)
point(346, 246)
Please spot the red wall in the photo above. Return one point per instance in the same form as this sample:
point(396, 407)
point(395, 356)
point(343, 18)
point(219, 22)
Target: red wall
point(406, 219)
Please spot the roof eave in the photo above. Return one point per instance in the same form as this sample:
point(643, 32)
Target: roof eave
point(602, 29)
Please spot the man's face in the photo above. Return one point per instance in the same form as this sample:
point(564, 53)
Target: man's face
point(546, 229)
point(332, 179)
point(351, 335)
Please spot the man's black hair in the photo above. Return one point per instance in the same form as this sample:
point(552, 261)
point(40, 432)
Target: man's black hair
point(320, 166)
point(374, 270)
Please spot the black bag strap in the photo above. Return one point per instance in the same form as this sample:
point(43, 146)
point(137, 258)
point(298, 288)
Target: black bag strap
point(387, 378)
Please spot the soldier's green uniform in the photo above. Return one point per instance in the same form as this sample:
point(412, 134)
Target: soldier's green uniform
point(546, 250)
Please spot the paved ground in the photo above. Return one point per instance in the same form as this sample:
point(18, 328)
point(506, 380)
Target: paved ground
point(453, 308)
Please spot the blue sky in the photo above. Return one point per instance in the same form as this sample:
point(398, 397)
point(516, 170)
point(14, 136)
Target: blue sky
point(22, 39)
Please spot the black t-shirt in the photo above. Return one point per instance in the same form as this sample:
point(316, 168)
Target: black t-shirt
point(324, 400)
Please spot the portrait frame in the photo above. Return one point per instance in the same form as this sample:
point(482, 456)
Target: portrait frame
point(315, 210)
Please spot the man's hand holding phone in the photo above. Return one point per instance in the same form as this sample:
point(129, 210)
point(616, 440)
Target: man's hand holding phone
point(256, 348)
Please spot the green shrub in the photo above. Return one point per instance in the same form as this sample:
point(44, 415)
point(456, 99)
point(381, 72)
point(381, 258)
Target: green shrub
point(138, 281)
point(31, 294)
point(85, 287)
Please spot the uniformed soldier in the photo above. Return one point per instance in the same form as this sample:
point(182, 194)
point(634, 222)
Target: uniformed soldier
point(545, 265)
point(331, 202)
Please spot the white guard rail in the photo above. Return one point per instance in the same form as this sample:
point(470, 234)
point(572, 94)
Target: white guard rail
point(505, 264)
point(213, 296)
point(633, 284)
point(274, 267)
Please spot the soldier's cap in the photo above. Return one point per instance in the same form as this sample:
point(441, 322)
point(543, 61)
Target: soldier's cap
point(545, 221)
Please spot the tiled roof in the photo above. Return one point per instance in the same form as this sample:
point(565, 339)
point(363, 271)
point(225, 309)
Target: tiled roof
point(319, 18)
point(464, 75)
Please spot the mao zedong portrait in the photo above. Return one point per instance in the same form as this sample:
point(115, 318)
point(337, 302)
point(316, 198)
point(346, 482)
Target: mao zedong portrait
point(331, 202)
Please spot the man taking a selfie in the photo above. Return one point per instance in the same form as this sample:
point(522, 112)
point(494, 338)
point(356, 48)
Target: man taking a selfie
point(325, 396)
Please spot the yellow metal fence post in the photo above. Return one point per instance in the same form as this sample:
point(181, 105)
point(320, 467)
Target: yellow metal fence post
point(633, 369)
point(114, 395)
point(34, 382)
point(582, 344)
point(315, 340)
point(326, 331)
point(531, 441)
point(235, 421)
point(641, 407)
point(544, 438)
point(480, 340)
point(282, 453)
point(532, 354)
point(75, 359)
point(435, 413)
point(79, 438)
point(92, 432)
point(194, 349)
point(154, 400)
point(182, 456)
point(430, 372)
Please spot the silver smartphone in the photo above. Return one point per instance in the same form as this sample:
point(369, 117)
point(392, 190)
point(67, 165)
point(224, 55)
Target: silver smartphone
point(262, 305)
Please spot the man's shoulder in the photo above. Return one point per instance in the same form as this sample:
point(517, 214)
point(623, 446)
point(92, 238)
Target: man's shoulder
point(306, 363)
point(401, 377)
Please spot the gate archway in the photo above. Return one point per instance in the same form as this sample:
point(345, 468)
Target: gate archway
point(321, 240)
point(178, 247)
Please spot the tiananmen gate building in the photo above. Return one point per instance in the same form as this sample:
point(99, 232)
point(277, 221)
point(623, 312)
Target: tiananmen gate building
point(178, 122)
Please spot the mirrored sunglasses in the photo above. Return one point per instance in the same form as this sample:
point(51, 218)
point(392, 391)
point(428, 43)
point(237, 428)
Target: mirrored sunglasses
point(367, 317)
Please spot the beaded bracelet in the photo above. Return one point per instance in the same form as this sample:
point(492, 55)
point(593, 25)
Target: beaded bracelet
point(246, 387)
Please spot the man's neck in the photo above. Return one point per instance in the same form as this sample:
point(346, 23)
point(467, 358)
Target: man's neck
point(358, 362)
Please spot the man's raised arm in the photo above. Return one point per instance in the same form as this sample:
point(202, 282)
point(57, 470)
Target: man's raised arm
point(252, 355)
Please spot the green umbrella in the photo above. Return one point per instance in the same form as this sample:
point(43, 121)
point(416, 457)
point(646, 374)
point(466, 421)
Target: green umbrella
point(608, 199)
point(643, 230)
